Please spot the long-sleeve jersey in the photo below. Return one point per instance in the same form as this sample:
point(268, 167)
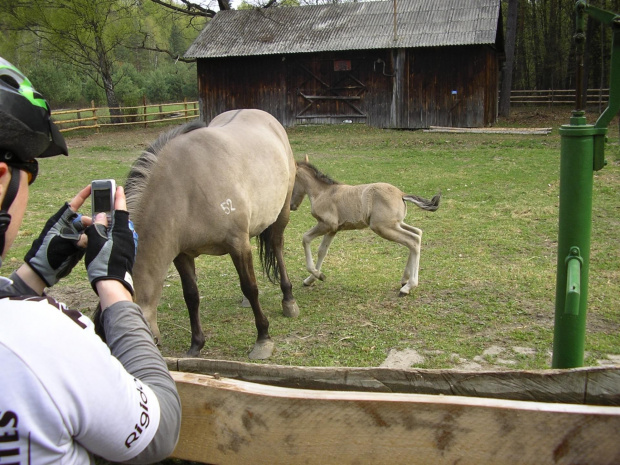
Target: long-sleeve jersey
point(66, 395)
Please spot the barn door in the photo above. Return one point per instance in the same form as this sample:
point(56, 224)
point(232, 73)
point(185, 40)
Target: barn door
point(329, 91)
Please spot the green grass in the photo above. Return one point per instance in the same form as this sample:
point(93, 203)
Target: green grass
point(487, 275)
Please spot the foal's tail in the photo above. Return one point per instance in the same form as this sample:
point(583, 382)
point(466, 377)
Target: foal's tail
point(267, 255)
point(425, 204)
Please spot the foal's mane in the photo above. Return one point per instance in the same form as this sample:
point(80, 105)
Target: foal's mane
point(141, 169)
point(325, 179)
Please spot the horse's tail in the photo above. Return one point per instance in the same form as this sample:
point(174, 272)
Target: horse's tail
point(267, 254)
point(425, 204)
point(141, 169)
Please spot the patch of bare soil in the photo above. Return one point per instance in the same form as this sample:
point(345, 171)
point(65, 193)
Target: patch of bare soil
point(552, 117)
point(76, 296)
point(123, 139)
point(549, 117)
point(494, 357)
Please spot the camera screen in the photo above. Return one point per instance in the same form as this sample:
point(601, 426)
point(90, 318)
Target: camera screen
point(102, 200)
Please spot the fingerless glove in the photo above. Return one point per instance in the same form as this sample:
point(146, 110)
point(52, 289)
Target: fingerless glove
point(111, 252)
point(55, 252)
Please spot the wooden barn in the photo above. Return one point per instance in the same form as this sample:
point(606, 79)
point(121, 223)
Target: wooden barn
point(389, 64)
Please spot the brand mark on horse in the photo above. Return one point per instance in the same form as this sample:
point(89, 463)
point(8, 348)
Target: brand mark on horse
point(227, 207)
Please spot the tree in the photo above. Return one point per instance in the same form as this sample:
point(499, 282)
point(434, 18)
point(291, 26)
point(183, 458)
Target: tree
point(511, 39)
point(82, 33)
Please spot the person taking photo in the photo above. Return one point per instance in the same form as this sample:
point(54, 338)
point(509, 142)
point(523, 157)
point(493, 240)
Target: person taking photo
point(65, 394)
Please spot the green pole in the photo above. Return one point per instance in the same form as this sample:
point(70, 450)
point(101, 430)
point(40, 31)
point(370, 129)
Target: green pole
point(575, 226)
point(582, 153)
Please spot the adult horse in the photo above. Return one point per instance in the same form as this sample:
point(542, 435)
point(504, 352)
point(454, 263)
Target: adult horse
point(207, 190)
point(338, 207)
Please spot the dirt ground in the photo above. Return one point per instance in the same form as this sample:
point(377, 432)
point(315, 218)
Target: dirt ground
point(553, 117)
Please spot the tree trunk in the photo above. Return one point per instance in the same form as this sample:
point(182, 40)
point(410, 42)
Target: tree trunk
point(113, 104)
point(105, 68)
point(511, 38)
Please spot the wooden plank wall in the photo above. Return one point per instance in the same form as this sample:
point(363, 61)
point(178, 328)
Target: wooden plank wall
point(454, 88)
point(414, 88)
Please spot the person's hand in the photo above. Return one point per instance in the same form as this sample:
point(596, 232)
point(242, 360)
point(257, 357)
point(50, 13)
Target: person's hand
point(61, 243)
point(110, 254)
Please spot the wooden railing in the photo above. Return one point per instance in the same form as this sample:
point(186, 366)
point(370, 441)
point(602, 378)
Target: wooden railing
point(98, 117)
point(557, 97)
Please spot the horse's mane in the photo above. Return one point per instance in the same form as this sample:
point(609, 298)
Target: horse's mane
point(141, 169)
point(317, 174)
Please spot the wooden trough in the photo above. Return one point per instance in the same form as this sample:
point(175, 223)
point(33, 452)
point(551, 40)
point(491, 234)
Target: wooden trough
point(245, 413)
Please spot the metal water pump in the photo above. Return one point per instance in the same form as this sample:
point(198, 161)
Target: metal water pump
point(582, 153)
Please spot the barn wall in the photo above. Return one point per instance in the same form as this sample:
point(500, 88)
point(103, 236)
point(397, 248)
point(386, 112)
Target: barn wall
point(414, 88)
point(456, 87)
point(339, 87)
point(233, 83)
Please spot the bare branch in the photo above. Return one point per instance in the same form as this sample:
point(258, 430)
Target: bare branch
point(175, 56)
point(191, 9)
point(157, 48)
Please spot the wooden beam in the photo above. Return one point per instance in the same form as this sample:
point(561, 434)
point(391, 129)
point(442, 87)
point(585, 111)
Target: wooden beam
point(330, 97)
point(527, 131)
point(232, 422)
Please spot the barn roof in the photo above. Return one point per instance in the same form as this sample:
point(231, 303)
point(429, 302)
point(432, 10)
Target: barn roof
point(348, 26)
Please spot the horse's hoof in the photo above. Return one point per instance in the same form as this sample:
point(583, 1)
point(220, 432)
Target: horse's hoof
point(402, 294)
point(290, 308)
point(309, 281)
point(262, 350)
point(192, 354)
point(245, 303)
point(316, 274)
point(196, 346)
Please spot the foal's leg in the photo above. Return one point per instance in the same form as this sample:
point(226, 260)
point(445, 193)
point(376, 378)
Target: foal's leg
point(412, 229)
point(186, 267)
point(242, 259)
point(323, 248)
point(319, 229)
point(413, 264)
point(401, 235)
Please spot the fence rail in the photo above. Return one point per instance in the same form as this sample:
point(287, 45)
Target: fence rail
point(98, 117)
point(557, 97)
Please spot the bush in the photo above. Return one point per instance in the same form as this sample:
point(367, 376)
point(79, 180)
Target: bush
point(57, 83)
point(129, 85)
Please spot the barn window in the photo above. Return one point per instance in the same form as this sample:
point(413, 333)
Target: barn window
point(342, 65)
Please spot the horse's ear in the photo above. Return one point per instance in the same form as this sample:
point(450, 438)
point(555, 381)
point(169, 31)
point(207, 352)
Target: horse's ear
point(307, 160)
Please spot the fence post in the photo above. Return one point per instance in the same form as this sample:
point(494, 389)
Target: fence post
point(92, 104)
point(144, 107)
point(185, 106)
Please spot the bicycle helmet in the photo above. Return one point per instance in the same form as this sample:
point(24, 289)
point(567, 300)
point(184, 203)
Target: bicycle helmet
point(26, 129)
point(26, 133)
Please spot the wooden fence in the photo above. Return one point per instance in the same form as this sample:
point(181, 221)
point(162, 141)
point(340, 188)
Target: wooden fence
point(557, 97)
point(98, 117)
